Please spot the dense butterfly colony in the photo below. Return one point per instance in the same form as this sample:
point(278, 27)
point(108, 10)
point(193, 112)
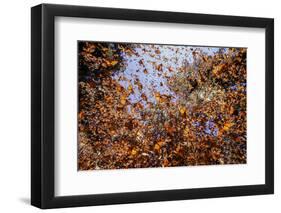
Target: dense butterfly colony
point(145, 105)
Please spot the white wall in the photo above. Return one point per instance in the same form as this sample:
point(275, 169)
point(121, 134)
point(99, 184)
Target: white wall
point(15, 105)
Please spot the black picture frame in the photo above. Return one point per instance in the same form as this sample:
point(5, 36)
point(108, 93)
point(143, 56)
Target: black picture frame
point(43, 105)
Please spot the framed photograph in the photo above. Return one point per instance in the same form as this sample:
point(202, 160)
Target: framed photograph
point(139, 106)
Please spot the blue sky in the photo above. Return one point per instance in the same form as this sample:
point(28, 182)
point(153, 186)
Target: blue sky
point(170, 57)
